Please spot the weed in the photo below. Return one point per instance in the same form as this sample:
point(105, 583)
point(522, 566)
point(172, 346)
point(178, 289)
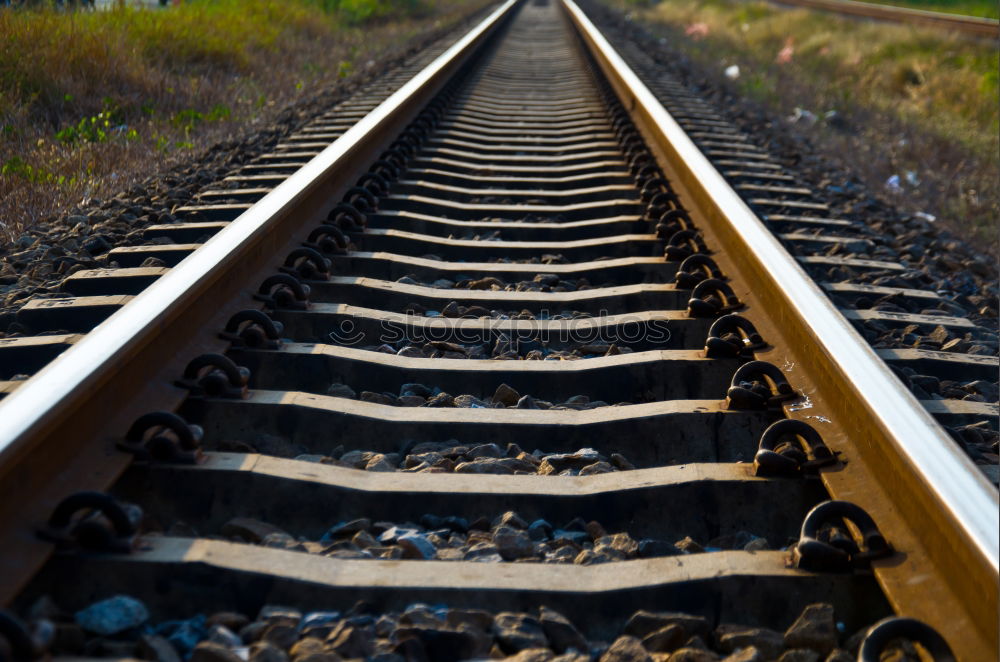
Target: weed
point(97, 128)
point(186, 120)
point(18, 167)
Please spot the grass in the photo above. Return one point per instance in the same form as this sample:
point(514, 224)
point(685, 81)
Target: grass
point(981, 8)
point(91, 102)
point(914, 100)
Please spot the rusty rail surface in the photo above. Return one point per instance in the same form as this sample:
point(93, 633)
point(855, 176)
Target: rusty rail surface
point(524, 197)
point(971, 25)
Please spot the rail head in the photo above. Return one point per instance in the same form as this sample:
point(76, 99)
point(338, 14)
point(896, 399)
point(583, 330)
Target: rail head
point(907, 449)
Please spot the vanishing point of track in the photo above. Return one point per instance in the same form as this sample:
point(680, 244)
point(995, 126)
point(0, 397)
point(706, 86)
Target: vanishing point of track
point(525, 246)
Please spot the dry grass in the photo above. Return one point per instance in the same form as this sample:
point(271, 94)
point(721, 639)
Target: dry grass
point(914, 100)
point(92, 102)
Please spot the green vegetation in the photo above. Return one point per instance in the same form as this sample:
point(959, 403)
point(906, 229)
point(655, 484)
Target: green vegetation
point(92, 101)
point(914, 99)
point(982, 8)
point(359, 11)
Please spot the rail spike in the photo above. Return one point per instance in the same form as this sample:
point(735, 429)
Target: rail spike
point(361, 198)
point(384, 169)
point(653, 186)
point(106, 525)
point(163, 436)
point(731, 336)
point(813, 553)
point(712, 297)
point(307, 263)
point(253, 328)
point(785, 449)
point(346, 216)
point(328, 239)
point(695, 269)
point(682, 244)
point(894, 627)
point(375, 183)
point(215, 375)
point(661, 203)
point(672, 221)
point(283, 291)
point(750, 389)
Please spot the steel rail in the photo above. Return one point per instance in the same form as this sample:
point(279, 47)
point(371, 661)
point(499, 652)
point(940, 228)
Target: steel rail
point(94, 387)
point(64, 411)
point(972, 25)
point(948, 510)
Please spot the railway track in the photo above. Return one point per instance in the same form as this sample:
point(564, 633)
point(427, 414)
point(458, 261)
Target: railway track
point(975, 26)
point(506, 341)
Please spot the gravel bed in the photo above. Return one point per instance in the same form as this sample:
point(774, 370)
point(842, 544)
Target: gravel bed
point(527, 218)
point(449, 456)
point(981, 443)
point(540, 283)
point(120, 626)
point(505, 348)
point(421, 395)
point(547, 258)
point(506, 538)
point(454, 310)
point(476, 236)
